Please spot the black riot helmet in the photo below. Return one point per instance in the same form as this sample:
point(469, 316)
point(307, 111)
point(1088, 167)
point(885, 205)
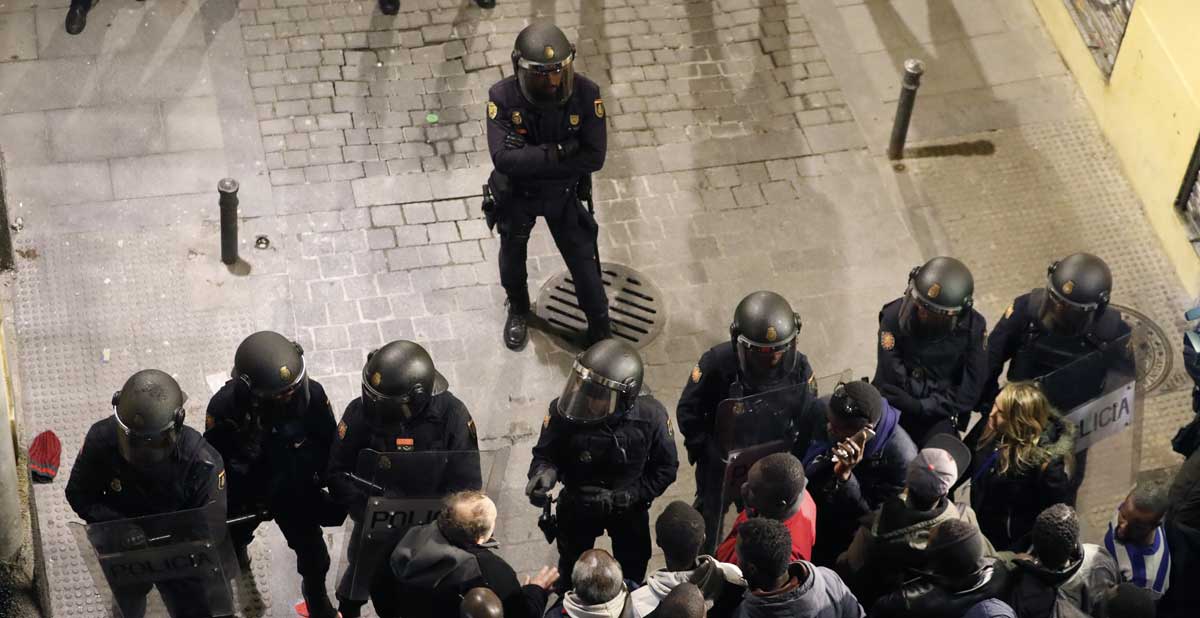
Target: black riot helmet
point(270, 369)
point(938, 294)
point(1077, 289)
point(149, 413)
point(544, 63)
point(398, 382)
point(605, 380)
point(764, 333)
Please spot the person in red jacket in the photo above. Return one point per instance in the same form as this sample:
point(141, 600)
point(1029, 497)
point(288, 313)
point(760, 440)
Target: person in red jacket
point(774, 489)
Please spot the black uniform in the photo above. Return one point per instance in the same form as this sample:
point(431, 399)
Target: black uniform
point(714, 379)
point(445, 425)
point(542, 185)
point(633, 452)
point(105, 487)
point(945, 375)
point(284, 477)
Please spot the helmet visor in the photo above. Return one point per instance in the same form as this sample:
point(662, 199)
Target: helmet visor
point(765, 363)
point(924, 319)
point(589, 397)
point(1063, 317)
point(384, 410)
point(141, 449)
point(547, 84)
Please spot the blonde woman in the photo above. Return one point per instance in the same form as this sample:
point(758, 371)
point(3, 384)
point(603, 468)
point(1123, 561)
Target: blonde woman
point(1023, 462)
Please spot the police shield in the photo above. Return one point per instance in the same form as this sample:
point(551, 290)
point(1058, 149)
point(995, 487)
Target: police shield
point(406, 490)
point(756, 419)
point(1097, 391)
point(185, 555)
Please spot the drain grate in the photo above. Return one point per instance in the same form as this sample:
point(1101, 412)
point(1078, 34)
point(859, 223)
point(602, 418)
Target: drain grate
point(635, 306)
point(1155, 352)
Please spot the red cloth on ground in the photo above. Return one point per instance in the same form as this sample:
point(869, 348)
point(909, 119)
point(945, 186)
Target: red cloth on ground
point(802, 525)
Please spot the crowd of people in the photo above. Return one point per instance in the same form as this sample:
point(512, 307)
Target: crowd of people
point(933, 489)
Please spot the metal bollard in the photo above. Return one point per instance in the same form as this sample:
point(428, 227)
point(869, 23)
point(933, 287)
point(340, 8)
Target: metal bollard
point(228, 188)
point(913, 70)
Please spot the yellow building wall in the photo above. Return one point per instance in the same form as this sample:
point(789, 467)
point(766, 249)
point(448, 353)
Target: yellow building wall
point(1149, 110)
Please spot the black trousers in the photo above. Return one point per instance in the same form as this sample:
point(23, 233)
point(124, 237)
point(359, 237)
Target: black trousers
point(576, 242)
point(710, 476)
point(578, 528)
point(303, 535)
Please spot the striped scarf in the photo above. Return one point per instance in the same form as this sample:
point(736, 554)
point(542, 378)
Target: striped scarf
point(1145, 566)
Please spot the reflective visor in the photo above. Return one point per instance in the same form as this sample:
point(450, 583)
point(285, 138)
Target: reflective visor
point(590, 397)
point(1064, 317)
point(385, 409)
point(922, 318)
point(547, 84)
point(764, 363)
point(146, 447)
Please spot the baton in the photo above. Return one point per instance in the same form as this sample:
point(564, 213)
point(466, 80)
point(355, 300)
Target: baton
point(364, 483)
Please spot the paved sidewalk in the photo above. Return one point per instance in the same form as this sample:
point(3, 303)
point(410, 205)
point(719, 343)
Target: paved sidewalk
point(746, 140)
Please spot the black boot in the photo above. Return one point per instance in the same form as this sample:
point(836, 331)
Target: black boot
point(389, 7)
point(317, 598)
point(486, 4)
point(76, 18)
point(350, 609)
point(599, 329)
point(516, 328)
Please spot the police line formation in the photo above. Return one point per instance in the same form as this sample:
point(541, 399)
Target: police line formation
point(872, 465)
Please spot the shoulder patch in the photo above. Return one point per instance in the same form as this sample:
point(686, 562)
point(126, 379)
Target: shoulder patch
point(1008, 312)
point(599, 107)
point(887, 340)
point(492, 110)
point(115, 485)
point(221, 480)
point(209, 421)
point(342, 430)
point(546, 422)
point(670, 429)
point(471, 428)
point(812, 385)
point(696, 374)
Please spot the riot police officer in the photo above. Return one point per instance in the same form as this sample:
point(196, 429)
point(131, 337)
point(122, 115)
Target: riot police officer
point(1052, 327)
point(611, 445)
point(546, 133)
point(405, 407)
point(931, 360)
point(273, 426)
point(760, 357)
point(142, 461)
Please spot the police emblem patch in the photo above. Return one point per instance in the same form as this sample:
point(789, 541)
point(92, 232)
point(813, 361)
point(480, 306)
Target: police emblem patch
point(546, 422)
point(1008, 312)
point(471, 428)
point(670, 430)
point(574, 120)
point(221, 480)
point(115, 485)
point(285, 373)
point(492, 110)
point(887, 340)
point(739, 407)
point(696, 373)
point(376, 378)
point(772, 334)
point(935, 290)
point(599, 106)
point(342, 430)
point(549, 52)
point(1068, 287)
point(209, 421)
point(385, 463)
point(516, 118)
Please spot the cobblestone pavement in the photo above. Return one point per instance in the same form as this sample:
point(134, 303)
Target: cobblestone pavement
point(745, 143)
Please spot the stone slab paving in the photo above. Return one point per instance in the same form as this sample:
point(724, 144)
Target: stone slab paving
point(744, 154)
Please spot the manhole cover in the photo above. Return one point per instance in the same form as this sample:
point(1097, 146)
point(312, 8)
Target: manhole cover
point(1154, 352)
point(635, 305)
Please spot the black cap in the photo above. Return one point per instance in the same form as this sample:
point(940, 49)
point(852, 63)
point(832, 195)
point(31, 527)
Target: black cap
point(857, 401)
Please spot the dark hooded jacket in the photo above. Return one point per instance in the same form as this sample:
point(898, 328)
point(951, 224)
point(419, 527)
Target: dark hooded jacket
point(433, 574)
point(1182, 527)
point(1007, 504)
point(926, 598)
point(879, 476)
point(1075, 590)
point(812, 592)
point(890, 546)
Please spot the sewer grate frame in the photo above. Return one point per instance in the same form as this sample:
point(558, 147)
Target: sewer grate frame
point(635, 306)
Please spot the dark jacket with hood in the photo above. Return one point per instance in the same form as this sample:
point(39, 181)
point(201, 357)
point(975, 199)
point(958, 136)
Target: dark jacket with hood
point(1182, 527)
point(890, 545)
point(433, 574)
point(924, 597)
point(811, 592)
point(879, 476)
point(1075, 590)
point(1008, 503)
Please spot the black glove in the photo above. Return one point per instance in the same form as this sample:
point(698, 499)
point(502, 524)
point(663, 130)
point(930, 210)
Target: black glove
point(540, 485)
point(514, 141)
point(901, 400)
point(695, 451)
point(606, 501)
point(566, 150)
